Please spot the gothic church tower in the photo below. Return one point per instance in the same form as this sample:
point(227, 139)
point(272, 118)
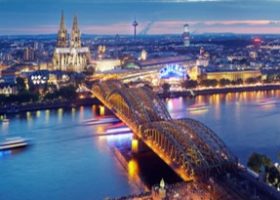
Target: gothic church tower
point(62, 33)
point(75, 35)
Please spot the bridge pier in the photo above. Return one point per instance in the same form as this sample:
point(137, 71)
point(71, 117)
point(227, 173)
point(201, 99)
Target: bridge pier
point(137, 145)
point(101, 110)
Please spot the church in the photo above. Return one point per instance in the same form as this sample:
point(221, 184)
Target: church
point(69, 55)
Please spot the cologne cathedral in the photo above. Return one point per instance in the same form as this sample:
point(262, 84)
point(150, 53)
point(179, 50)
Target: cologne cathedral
point(69, 55)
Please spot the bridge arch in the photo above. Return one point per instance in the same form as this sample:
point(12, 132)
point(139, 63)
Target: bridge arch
point(133, 107)
point(197, 150)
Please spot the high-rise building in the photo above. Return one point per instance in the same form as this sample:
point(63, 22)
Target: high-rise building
point(28, 54)
point(186, 35)
point(70, 56)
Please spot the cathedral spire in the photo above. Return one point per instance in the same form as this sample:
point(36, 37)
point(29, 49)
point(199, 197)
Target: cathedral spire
point(76, 34)
point(62, 33)
point(62, 23)
point(75, 23)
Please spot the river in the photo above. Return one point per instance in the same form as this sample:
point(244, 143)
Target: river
point(71, 158)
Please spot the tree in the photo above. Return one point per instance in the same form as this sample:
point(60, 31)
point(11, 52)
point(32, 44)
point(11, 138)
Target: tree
point(89, 71)
point(189, 84)
point(67, 92)
point(146, 85)
point(20, 84)
point(238, 82)
point(166, 87)
point(252, 80)
point(3, 99)
point(256, 161)
point(209, 83)
point(273, 176)
point(223, 82)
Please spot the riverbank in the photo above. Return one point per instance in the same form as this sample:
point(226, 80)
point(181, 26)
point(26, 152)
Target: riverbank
point(210, 91)
point(14, 109)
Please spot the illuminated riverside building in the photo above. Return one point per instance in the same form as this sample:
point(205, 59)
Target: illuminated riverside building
point(232, 75)
point(70, 56)
point(203, 58)
point(105, 64)
point(173, 74)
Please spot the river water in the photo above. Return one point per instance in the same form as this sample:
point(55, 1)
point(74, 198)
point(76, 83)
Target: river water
point(71, 158)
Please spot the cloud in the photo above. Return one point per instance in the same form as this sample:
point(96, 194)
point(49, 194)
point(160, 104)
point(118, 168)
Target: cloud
point(162, 27)
point(176, 27)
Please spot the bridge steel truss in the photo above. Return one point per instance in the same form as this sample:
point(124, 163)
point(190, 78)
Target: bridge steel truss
point(188, 146)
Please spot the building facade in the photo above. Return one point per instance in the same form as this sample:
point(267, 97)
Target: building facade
point(8, 89)
point(232, 75)
point(70, 55)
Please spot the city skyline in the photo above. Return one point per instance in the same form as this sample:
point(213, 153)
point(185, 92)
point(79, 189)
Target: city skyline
point(140, 99)
point(154, 16)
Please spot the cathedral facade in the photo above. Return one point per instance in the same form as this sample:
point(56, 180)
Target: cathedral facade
point(69, 55)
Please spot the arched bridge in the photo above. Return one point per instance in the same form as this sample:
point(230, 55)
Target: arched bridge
point(186, 145)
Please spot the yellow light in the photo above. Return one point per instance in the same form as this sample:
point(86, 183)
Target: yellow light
point(60, 114)
point(38, 113)
point(133, 169)
point(47, 116)
point(134, 145)
point(102, 110)
point(28, 115)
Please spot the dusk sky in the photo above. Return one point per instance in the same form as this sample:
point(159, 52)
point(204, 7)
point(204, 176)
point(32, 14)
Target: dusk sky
point(154, 16)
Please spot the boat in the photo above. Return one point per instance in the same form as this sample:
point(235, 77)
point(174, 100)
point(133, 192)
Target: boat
point(192, 93)
point(5, 120)
point(198, 107)
point(13, 143)
point(267, 102)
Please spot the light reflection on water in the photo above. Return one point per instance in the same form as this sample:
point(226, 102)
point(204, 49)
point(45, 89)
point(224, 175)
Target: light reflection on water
point(70, 151)
point(247, 121)
point(67, 161)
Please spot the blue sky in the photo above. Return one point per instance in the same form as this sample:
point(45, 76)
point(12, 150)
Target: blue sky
point(162, 16)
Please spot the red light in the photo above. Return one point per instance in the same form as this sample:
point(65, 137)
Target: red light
point(257, 40)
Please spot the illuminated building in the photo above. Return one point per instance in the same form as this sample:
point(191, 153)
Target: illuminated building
point(62, 33)
point(105, 64)
point(253, 54)
point(159, 193)
point(71, 57)
point(28, 54)
point(173, 74)
point(44, 77)
point(2, 67)
point(143, 55)
point(8, 89)
point(186, 35)
point(101, 51)
point(194, 72)
point(232, 75)
point(39, 77)
point(203, 58)
point(145, 70)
